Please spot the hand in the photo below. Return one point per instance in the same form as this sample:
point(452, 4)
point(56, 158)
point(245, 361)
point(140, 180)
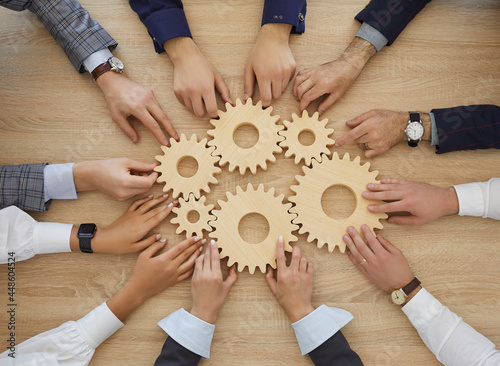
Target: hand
point(208, 287)
point(120, 178)
point(153, 274)
point(126, 98)
point(385, 265)
point(294, 284)
point(423, 201)
point(333, 78)
point(271, 62)
point(125, 235)
point(195, 79)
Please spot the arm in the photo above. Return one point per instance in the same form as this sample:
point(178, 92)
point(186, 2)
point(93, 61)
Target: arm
point(317, 331)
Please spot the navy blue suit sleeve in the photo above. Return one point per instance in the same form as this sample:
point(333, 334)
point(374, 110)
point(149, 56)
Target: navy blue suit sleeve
point(468, 128)
point(23, 186)
point(335, 351)
point(173, 354)
point(164, 19)
point(286, 11)
point(390, 17)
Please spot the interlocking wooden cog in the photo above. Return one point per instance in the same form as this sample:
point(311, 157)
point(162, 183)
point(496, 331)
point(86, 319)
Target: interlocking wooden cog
point(235, 209)
point(316, 128)
point(184, 210)
point(309, 191)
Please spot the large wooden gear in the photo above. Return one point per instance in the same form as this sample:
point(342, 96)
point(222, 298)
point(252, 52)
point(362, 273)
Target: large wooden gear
point(309, 191)
point(177, 151)
point(316, 128)
point(232, 212)
point(183, 212)
point(230, 121)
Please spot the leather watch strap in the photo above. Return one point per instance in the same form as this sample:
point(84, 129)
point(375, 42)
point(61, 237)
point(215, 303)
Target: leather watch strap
point(85, 246)
point(414, 116)
point(409, 288)
point(101, 69)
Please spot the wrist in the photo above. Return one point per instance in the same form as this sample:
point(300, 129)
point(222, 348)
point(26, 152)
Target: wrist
point(451, 204)
point(359, 52)
point(99, 240)
point(206, 315)
point(298, 313)
point(279, 32)
point(426, 122)
point(179, 48)
point(125, 301)
point(412, 295)
point(108, 78)
point(82, 173)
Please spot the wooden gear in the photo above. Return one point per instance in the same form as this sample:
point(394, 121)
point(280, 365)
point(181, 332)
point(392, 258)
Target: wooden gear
point(238, 206)
point(169, 163)
point(316, 128)
point(230, 121)
point(309, 191)
point(185, 208)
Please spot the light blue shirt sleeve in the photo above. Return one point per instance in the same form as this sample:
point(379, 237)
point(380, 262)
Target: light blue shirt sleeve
point(370, 34)
point(58, 182)
point(314, 329)
point(435, 137)
point(189, 331)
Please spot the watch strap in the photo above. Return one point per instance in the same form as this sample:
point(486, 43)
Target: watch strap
point(85, 246)
point(101, 69)
point(414, 116)
point(409, 288)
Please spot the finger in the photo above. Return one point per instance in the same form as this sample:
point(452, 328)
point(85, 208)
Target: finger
point(404, 220)
point(383, 196)
point(384, 186)
point(139, 202)
point(354, 261)
point(276, 87)
point(284, 82)
point(198, 106)
point(154, 248)
point(184, 249)
point(350, 136)
point(295, 263)
point(207, 260)
point(160, 116)
point(266, 95)
point(393, 181)
point(271, 281)
point(231, 278)
point(189, 264)
point(122, 122)
point(365, 251)
point(302, 75)
point(147, 120)
point(356, 121)
point(280, 253)
point(152, 203)
point(210, 103)
point(185, 275)
point(327, 103)
point(303, 265)
point(397, 206)
point(387, 244)
point(162, 213)
point(303, 88)
point(187, 102)
point(369, 154)
point(310, 268)
point(375, 246)
point(198, 267)
point(223, 90)
point(306, 99)
point(143, 244)
point(352, 248)
point(138, 184)
point(214, 259)
point(139, 166)
point(249, 82)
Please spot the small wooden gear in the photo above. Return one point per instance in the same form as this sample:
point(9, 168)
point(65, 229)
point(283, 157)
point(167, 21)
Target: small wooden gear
point(183, 212)
point(235, 209)
point(174, 154)
point(309, 191)
point(313, 126)
point(234, 118)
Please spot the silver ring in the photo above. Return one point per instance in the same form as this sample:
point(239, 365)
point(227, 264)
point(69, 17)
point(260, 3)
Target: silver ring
point(366, 146)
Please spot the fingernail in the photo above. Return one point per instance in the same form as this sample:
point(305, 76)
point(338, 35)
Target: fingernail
point(245, 96)
point(158, 236)
point(150, 196)
point(371, 207)
point(230, 101)
point(371, 185)
point(365, 194)
point(165, 195)
point(280, 238)
point(170, 205)
point(364, 226)
point(200, 249)
point(212, 242)
point(203, 241)
point(350, 229)
point(134, 139)
point(165, 142)
point(163, 240)
point(175, 202)
point(196, 239)
point(346, 238)
point(348, 122)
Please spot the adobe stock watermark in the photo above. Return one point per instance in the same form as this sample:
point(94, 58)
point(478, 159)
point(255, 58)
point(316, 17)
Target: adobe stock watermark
point(11, 304)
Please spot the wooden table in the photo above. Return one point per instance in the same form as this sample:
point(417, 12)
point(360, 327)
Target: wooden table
point(48, 112)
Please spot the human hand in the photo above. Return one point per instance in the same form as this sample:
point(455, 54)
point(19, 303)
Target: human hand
point(120, 178)
point(208, 287)
point(333, 78)
point(381, 262)
point(423, 201)
point(195, 79)
point(271, 62)
point(294, 284)
point(126, 98)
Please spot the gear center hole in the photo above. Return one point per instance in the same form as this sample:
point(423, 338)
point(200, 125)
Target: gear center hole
point(253, 228)
point(246, 135)
point(193, 216)
point(187, 166)
point(307, 137)
point(338, 202)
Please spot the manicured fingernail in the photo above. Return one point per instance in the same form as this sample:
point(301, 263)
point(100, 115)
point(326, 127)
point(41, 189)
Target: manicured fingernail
point(165, 195)
point(200, 249)
point(150, 196)
point(365, 194)
point(196, 238)
point(158, 236)
point(170, 205)
point(212, 242)
point(175, 202)
point(163, 240)
point(280, 239)
point(203, 242)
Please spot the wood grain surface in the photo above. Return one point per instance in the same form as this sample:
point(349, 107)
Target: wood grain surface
point(448, 56)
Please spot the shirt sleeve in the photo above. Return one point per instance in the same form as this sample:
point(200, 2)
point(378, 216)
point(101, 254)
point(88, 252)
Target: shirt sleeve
point(452, 341)
point(21, 235)
point(286, 11)
point(314, 329)
point(370, 34)
point(189, 331)
point(164, 19)
point(479, 199)
point(97, 58)
point(71, 344)
point(59, 182)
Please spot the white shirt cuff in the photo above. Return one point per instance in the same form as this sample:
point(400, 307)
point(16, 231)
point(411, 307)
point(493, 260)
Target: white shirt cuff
point(470, 199)
point(189, 331)
point(421, 308)
point(98, 325)
point(317, 327)
point(96, 59)
point(59, 182)
point(51, 237)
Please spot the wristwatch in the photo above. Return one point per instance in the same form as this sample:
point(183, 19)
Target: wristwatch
point(415, 129)
point(85, 234)
point(113, 64)
point(399, 296)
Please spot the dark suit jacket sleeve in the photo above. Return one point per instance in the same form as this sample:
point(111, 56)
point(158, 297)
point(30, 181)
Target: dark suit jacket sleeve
point(173, 354)
point(335, 351)
point(390, 17)
point(164, 19)
point(286, 11)
point(23, 186)
point(468, 128)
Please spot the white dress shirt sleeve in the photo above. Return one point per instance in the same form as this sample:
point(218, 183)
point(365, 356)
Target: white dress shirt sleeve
point(189, 331)
point(96, 59)
point(479, 199)
point(452, 341)
point(22, 235)
point(71, 344)
point(317, 327)
point(59, 182)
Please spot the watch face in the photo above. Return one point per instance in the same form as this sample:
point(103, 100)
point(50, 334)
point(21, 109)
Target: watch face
point(87, 230)
point(415, 131)
point(116, 62)
point(398, 297)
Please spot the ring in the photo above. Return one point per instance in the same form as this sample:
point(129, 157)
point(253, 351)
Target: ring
point(363, 261)
point(366, 146)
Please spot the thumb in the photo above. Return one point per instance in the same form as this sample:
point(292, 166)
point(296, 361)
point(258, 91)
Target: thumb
point(271, 281)
point(222, 88)
point(327, 103)
point(403, 220)
point(231, 278)
point(122, 122)
point(154, 249)
point(140, 166)
point(249, 82)
point(371, 153)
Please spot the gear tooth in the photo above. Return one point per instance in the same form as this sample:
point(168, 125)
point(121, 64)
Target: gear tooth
point(315, 116)
point(250, 269)
point(335, 155)
point(239, 103)
point(346, 157)
point(357, 159)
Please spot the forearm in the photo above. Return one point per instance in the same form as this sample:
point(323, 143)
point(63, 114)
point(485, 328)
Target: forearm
point(125, 301)
point(359, 52)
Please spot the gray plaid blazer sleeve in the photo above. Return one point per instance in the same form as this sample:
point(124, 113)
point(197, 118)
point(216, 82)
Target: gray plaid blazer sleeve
point(71, 26)
point(23, 186)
